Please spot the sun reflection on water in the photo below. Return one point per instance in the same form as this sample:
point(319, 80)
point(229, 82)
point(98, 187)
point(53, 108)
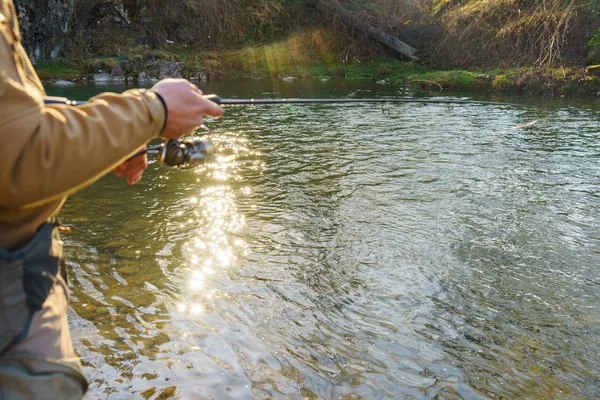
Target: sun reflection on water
point(214, 246)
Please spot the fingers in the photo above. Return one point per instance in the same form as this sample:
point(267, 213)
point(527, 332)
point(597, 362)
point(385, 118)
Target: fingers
point(132, 166)
point(135, 178)
point(208, 107)
point(64, 229)
point(185, 106)
point(211, 108)
point(133, 169)
point(196, 88)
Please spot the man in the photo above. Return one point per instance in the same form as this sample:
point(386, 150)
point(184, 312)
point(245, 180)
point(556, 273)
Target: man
point(46, 153)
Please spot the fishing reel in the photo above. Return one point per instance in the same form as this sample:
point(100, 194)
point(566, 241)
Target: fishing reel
point(186, 152)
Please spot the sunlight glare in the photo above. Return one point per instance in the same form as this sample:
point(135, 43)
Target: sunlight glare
point(196, 309)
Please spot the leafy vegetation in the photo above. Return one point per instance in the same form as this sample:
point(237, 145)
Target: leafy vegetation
point(462, 43)
point(594, 42)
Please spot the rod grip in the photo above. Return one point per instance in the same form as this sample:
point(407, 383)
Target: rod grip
point(62, 100)
point(214, 98)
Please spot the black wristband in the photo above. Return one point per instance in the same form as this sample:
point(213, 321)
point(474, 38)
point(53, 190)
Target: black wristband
point(166, 111)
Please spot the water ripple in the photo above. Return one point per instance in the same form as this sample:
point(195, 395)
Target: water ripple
point(336, 252)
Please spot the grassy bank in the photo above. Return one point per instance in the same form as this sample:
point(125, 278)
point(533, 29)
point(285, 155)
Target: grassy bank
point(316, 54)
point(55, 71)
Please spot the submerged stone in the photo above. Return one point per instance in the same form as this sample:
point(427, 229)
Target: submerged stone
point(62, 82)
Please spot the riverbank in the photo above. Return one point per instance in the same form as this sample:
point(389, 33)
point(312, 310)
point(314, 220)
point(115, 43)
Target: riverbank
point(311, 55)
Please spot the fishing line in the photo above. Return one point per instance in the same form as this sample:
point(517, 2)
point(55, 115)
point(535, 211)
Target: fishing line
point(254, 102)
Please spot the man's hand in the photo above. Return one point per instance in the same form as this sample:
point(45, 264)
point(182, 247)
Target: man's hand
point(134, 168)
point(185, 107)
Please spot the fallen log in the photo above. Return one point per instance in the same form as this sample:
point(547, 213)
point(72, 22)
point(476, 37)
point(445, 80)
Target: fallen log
point(376, 34)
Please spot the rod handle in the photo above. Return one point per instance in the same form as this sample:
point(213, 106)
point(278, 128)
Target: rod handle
point(214, 98)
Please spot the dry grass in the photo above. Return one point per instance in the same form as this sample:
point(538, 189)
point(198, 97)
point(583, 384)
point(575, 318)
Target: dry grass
point(314, 52)
point(448, 33)
point(511, 32)
point(488, 33)
point(237, 20)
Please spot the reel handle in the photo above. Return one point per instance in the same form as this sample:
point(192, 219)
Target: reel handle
point(186, 152)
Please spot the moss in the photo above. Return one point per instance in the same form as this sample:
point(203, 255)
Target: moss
point(102, 64)
point(58, 70)
point(500, 82)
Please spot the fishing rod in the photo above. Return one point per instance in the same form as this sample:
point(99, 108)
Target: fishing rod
point(255, 102)
point(191, 151)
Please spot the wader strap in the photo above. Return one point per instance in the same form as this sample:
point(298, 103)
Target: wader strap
point(26, 277)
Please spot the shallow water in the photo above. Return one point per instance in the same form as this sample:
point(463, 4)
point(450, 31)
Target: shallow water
point(336, 252)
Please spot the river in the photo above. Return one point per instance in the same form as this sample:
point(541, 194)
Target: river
point(342, 252)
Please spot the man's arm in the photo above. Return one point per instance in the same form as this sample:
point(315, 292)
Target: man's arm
point(48, 152)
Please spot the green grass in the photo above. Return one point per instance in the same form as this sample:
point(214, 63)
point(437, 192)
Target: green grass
point(58, 70)
point(594, 42)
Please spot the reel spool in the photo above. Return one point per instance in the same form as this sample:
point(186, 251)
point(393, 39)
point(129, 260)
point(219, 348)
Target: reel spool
point(187, 152)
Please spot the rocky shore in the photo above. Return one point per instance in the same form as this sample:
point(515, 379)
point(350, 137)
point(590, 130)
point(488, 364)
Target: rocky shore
point(137, 70)
point(563, 82)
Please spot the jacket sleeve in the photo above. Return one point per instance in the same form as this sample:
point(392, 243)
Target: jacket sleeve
point(48, 152)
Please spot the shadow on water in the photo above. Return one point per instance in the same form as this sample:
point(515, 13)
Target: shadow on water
point(334, 251)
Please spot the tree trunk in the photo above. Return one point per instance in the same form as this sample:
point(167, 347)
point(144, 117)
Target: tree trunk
point(378, 35)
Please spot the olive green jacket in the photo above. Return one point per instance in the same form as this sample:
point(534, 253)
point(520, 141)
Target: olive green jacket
point(50, 151)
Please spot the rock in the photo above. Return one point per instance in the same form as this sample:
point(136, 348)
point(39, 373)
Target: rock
point(201, 77)
point(171, 70)
point(133, 66)
point(103, 77)
point(136, 69)
point(117, 74)
point(46, 28)
point(196, 74)
point(153, 68)
point(161, 69)
point(62, 82)
point(144, 78)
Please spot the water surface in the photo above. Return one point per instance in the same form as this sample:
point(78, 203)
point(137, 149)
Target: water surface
point(337, 252)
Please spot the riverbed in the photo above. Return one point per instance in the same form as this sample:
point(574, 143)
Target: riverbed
point(349, 252)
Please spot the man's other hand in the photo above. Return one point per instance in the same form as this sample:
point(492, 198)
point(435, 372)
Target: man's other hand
point(185, 107)
point(134, 168)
